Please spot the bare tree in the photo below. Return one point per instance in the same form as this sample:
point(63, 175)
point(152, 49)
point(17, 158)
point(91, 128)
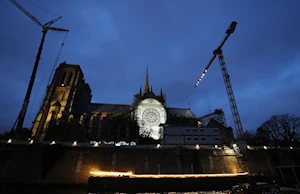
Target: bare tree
point(282, 128)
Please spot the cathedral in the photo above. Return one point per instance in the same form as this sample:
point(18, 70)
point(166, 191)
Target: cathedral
point(68, 100)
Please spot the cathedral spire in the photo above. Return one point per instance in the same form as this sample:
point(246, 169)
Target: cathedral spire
point(146, 88)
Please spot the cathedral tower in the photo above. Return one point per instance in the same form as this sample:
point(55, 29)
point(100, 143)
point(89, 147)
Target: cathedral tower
point(148, 93)
point(146, 87)
point(67, 94)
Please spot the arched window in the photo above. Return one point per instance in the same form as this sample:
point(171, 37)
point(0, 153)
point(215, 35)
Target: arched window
point(63, 78)
point(70, 79)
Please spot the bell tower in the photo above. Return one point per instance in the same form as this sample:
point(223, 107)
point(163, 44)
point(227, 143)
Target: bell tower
point(67, 93)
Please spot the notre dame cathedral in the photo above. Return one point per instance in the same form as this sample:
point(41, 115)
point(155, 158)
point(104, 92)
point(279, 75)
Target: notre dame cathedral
point(67, 112)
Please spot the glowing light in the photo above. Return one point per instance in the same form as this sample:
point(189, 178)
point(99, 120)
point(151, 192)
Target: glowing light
point(111, 174)
point(31, 142)
point(75, 143)
point(265, 147)
point(234, 145)
point(205, 70)
point(216, 146)
point(158, 146)
point(131, 175)
point(9, 141)
point(197, 147)
point(62, 84)
point(291, 147)
point(151, 115)
point(248, 147)
point(96, 144)
point(52, 143)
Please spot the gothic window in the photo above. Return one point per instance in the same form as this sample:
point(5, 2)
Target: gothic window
point(70, 78)
point(63, 78)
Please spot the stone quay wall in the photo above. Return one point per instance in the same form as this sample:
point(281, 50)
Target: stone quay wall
point(63, 164)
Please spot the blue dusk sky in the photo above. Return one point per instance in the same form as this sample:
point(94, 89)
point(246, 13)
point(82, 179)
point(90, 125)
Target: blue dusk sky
point(113, 40)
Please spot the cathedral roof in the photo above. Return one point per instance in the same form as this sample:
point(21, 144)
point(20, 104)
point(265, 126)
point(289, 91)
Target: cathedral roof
point(124, 108)
point(180, 112)
point(114, 108)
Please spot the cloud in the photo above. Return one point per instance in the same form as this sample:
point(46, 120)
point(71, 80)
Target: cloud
point(100, 23)
point(112, 40)
point(95, 30)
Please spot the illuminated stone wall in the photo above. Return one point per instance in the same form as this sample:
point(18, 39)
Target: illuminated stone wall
point(77, 164)
point(67, 93)
point(72, 165)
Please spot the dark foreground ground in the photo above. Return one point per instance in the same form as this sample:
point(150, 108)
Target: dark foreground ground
point(55, 189)
point(44, 189)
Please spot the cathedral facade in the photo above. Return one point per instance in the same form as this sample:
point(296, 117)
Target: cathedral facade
point(69, 97)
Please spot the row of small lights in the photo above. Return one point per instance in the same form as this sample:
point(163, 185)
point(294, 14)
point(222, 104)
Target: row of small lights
point(96, 144)
point(157, 146)
point(265, 147)
point(197, 146)
point(203, 74)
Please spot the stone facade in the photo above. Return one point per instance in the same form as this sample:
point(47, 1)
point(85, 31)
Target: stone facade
point(68, 93)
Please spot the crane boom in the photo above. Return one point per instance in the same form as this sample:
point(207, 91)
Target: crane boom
point(229, 31)
point(52, 22)
point(226, 78)
point(26, 12)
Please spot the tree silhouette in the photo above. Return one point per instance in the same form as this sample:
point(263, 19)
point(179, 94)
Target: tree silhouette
point(281, 129)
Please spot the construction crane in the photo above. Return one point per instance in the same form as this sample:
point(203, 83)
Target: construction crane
point(20, 120)
point(226, 78)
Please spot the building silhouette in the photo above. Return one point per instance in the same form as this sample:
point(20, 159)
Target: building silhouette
point(68, 99)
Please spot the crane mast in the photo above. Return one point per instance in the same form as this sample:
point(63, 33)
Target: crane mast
point(21, 117)
point(218, 52)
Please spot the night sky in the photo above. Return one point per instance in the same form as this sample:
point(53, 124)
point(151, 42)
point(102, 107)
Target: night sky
point(114, 40)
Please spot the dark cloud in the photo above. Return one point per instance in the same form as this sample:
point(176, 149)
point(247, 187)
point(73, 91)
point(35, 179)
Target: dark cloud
point(113, 43)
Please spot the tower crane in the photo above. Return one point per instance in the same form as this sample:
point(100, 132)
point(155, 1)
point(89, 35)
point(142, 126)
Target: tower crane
point(226, 78)
point(45, 27)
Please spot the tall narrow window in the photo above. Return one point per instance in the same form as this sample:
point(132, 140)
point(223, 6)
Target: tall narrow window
point(63, 78)
point(70, 79)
